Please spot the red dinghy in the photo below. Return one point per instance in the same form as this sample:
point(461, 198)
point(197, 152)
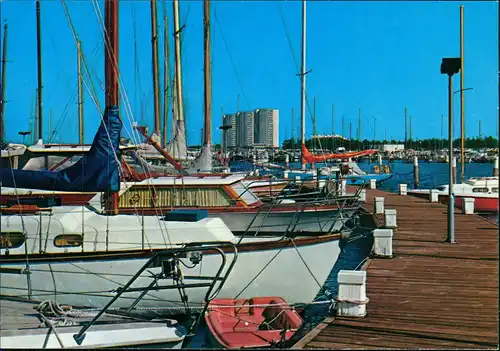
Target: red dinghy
point(251, 323)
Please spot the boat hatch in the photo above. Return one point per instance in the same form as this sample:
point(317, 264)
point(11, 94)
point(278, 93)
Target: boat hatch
point(186, 215)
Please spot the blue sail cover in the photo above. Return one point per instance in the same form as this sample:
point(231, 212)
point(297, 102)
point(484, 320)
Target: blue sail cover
point(97, 170)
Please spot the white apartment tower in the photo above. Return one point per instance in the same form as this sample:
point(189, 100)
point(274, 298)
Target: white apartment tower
point(266, 127)
point(230, 134)
point(244, 129)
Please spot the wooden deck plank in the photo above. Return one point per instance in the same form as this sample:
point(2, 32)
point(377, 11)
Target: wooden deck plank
point(432, 294)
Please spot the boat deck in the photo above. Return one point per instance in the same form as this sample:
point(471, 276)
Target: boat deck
point(18, 315)
point(431, 294)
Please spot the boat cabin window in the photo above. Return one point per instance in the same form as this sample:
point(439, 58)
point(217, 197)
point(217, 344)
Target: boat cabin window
point(494, 190)
point(68, 240)
point(479, 190)
point(11, 240)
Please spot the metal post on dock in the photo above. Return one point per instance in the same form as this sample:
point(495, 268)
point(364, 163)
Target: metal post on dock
point(495, 167)
point(415, 172)
point(450, 66)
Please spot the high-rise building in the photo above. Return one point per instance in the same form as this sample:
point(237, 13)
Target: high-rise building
point(230, 134)
point(266, 127)
point(244, 129)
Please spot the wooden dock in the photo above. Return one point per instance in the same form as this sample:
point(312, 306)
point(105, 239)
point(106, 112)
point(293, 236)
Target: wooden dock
point(431, 294)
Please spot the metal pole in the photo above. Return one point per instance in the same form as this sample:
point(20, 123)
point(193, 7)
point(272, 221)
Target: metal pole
point(333, 127)
point(314, 122)
point(207, 74)
point(406, 128)
point(166, 79)
point(359, 125)
point(462, 114)
point(303, 82)
point(411, 132)
point(293, 127)
point(80, 94)
point(178, 75)
point(4, 79)
point(39, 67)
point(156, 78)
point(451, 196)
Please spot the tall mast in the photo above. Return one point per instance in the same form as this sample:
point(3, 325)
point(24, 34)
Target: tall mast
point(303, 82)
point(111, 75)
point(411, 132)
point(4, 79)
point(166, 80)
point(293, 128)
point(156, 79)
point(80, 93)
point(314, 122)
point(39, 67)
point(406, 128)
point(174, 106)
point(462, 117)
point(207, 74)
point(111, 56)
point(359, 124)
point(178, 75)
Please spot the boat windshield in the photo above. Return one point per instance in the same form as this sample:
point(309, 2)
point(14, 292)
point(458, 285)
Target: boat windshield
point(244, 193)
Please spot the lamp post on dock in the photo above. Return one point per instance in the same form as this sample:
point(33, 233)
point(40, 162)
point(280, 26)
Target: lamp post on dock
point(450, 66)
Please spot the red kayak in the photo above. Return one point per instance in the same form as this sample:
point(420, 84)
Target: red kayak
point(251, 323)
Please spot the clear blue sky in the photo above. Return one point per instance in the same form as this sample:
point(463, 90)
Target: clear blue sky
point(381, 56)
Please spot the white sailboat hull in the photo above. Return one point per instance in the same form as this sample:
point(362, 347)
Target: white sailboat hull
point(90, 283)
point(112, 253)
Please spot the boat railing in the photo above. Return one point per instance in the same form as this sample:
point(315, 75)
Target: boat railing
point(171, 269)
point(327, 197)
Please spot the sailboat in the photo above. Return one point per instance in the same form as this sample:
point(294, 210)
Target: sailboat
point(224, 196)
point(79, 255)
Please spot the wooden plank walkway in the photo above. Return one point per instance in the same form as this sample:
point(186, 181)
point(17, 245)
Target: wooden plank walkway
point(431, 294)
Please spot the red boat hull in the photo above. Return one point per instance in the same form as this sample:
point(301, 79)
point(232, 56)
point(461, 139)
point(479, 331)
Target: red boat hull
point(481, 204)
point(242, 323)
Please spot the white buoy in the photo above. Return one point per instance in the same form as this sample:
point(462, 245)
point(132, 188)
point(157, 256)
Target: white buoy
point(373, 184)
